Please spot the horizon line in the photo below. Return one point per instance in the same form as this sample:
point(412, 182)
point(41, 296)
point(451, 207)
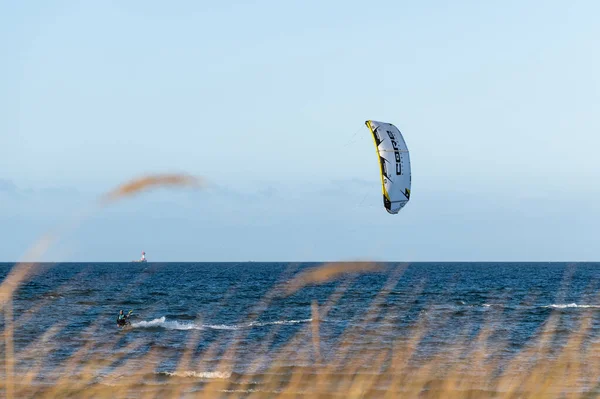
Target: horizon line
point(306, 261)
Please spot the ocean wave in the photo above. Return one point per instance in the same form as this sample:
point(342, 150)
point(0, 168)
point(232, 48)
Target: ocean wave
point(245, 391)
point(280, 322)
point(461, 305)
point(218, 375)
point(162, 322)
point(571, 305)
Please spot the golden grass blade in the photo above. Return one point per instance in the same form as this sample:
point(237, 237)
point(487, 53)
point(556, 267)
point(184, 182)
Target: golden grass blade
point(328, 273)
point(9, 356)
point(145, 183)
point(315, 330)
point(21, 271)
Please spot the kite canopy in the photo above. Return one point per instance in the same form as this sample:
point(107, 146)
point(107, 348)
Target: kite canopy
point(394, 162)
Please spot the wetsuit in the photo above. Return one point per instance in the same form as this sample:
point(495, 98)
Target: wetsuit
point(121, 320)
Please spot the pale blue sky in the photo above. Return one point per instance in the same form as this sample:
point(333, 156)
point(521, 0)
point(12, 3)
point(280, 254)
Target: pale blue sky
point(499, 103)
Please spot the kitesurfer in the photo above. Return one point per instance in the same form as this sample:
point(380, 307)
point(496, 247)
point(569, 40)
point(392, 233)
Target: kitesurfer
point(122, 319)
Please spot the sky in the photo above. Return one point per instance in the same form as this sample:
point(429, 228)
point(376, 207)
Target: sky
point(499, 103)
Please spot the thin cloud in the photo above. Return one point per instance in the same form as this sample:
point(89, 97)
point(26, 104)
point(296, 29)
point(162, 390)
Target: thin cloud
point(8, 186)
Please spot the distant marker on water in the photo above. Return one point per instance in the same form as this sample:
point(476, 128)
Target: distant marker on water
point(142, 259)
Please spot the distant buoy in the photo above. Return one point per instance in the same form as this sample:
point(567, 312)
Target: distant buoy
point(143, 258)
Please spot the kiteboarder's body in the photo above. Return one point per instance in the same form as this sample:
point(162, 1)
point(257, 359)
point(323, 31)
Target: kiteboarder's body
point(122, 319)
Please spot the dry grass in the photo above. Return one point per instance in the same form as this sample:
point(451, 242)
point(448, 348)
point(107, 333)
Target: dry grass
point(465, 368)
point(141, 184)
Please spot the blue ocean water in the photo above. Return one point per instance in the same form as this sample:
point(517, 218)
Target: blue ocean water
point(64, 308)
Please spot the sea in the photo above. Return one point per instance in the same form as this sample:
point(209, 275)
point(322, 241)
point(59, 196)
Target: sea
point(246, 325)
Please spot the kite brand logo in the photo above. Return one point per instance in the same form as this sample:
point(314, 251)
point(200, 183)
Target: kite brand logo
point(396, 152)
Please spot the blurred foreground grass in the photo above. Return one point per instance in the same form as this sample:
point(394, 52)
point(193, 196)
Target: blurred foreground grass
point(466, 368)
